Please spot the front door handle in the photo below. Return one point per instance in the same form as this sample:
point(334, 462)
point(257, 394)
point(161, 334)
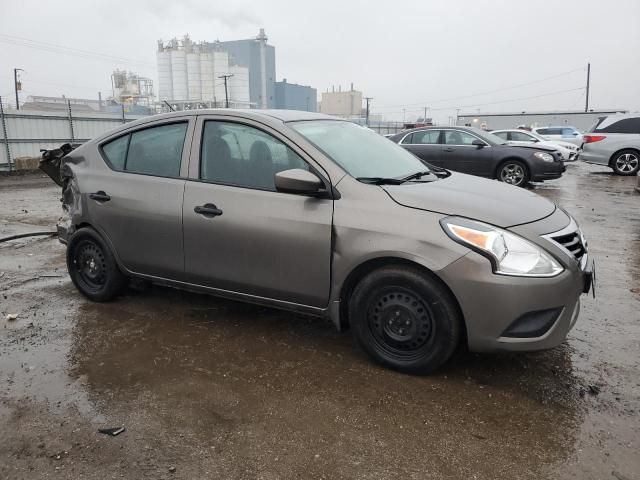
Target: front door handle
point(208, 210)
point(448, 149)
point(99, 196)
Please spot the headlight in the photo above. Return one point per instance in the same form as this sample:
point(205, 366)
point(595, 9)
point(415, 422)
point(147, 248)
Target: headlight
point(545, 157)
point(509, 253)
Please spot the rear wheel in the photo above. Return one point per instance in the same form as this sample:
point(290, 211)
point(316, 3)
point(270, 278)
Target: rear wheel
point(626, 162)
point(92, 266)
point(405, 319)
point(514, 172)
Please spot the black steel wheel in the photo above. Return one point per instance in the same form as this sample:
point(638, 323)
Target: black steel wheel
point(92, 267)
point(405, 319)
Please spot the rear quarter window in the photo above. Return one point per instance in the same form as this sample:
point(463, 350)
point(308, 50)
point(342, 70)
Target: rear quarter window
point(116, 152)
point(625, 125)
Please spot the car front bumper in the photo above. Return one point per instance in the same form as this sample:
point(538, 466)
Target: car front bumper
point(548, 171)
point(511, 313)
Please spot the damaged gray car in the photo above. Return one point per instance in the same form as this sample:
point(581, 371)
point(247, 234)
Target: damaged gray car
point(309, 213)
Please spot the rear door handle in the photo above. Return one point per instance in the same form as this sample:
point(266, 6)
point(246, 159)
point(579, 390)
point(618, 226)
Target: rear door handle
point(99, 196)
point(448, 149)
point(208, 210)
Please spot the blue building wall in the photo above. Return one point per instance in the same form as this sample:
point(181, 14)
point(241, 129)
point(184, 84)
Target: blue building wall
point(246, 53)
point(291, 96)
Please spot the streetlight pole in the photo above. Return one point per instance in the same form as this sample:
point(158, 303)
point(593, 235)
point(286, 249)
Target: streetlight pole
point(226, 93)
point(368, 99)
point(17, 86)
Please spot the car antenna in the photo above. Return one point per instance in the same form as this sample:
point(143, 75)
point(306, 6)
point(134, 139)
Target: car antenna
point(169, 105)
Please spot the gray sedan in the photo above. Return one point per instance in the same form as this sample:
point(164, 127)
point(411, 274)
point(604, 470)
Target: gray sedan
point(308, 213)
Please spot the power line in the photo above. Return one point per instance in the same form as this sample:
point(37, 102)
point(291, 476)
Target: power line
point(502, 89)
point(54, 48)
point(454, 107)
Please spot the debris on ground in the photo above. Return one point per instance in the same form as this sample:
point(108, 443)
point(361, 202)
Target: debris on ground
point(112, 431)
point(594, 389)
point(172, 469)
point(11, 317)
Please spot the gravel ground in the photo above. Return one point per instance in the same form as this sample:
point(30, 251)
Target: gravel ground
point(209, 388)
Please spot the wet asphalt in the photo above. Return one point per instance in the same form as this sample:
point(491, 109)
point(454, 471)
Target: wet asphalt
point(209, 388)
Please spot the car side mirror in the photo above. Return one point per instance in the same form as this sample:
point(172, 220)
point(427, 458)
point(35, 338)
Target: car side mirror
point(478, 143)
point(297, 180)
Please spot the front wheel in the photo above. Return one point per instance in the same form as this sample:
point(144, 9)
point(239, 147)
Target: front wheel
point(405, 319)
point(92, 267)
point(626, 162)
point(514, 173)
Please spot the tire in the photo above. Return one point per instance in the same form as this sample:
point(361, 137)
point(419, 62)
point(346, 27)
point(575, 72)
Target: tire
point(514, 172)
point(626, 162)
point(92, 266)
point(405, 320)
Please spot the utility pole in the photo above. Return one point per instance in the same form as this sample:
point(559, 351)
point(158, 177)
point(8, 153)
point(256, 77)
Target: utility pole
point(457, 115)
point(586, 105)
point(368, 99)
point(226, 93)
point(17, 85)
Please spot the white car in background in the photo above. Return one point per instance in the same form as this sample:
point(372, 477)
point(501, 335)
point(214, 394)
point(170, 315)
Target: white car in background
point(566, 134)
point(569, 151)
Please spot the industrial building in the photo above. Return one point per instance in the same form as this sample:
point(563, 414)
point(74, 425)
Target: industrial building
point(494, 121)
point(130, 88)
point(347, 104)
point(260, 61)
point(291, 96)
point(189, 75)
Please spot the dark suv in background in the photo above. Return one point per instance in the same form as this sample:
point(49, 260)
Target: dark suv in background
point(474, 151)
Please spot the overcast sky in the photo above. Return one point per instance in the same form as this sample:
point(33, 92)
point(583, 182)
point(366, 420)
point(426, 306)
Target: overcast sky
point(406, 55)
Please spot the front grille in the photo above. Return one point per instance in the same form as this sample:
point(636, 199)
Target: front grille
point(572, 242)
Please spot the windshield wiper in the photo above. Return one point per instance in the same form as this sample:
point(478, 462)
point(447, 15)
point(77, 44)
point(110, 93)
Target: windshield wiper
point(380, 180)
point(417, 175)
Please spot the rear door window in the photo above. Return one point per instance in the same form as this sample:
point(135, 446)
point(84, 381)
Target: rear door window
point(455, 137)
point(426, 137)
point(502, 135)
point(522, 137)
point(157, 150)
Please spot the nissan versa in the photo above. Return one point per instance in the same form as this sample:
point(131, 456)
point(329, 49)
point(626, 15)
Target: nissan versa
point(309, 213)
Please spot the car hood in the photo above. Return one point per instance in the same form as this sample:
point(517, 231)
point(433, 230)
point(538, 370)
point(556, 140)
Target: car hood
point(561, 143)
point(473, 197)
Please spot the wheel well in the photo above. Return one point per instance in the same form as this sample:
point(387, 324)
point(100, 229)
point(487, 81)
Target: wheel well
point(618, 151)
point(369, 266)
point(520, 160)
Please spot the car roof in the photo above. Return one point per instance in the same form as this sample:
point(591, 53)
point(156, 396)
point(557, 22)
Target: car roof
point(555, 126)
point(283, 115)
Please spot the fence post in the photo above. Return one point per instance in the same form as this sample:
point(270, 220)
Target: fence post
point(70, 121)
point(4, 132)
point(124, 120)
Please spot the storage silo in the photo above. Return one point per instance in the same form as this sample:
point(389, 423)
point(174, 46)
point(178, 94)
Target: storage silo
point(220, 67)
point(239, 85)
point(193, 76)
point(165, 83)
point(207, 78)
point(179, 74)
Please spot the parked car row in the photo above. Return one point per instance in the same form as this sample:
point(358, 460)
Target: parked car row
point(477, 152)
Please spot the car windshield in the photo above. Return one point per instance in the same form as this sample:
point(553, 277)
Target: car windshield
point(489, 137)
point(358, 150)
